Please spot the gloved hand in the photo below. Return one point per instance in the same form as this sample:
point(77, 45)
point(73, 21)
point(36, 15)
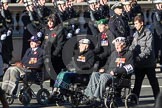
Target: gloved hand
point(73, 26)
point(77, 31)
point(119, 71)
point(3, 36)
point(69, 35)
point(39, 34)
point(9, 32)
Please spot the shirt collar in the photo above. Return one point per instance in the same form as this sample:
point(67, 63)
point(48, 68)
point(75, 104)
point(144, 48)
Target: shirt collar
point(34, 49)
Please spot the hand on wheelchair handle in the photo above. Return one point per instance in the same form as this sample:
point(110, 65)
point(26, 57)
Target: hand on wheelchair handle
point(112, 73)
point(27, 69)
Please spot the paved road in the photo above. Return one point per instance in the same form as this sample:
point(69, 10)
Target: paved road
point(146, 98)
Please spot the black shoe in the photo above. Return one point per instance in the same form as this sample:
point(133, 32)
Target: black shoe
point(98, 103)
point(53, 98)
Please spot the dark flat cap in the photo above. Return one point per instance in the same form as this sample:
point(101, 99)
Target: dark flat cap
point(117, 5)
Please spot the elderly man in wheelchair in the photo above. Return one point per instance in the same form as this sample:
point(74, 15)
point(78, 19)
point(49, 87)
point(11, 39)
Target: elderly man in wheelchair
point(82, 60)
point(31, 62)
point(120, 62)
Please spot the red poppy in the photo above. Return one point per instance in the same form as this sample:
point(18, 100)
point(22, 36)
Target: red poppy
point(35, 52)
point(53, 35)
point(103, 36)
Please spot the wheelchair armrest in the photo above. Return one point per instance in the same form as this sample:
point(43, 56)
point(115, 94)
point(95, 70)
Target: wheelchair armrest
point(31, 68)
point(26, 70)
point(34, 68)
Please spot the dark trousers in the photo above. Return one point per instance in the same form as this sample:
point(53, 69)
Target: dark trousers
point(158, 47)
point(57, 65)
point(151, 75)
point(3, 99)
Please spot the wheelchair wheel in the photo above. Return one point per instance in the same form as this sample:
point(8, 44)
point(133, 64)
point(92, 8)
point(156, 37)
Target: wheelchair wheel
point(42, 96)
point(76, 98)
point(131, 100)
point(24, 98)
point(113, 104)
point(9, 99)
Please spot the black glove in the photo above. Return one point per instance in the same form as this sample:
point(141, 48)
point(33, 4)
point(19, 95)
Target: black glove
point(119, 71)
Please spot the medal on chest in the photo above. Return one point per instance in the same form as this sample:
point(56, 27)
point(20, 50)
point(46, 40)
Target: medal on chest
point(104, 39)
point(33, 60)
point(120, 61)
point(81, 58)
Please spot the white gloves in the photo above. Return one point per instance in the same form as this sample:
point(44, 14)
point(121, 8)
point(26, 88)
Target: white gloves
point(3, 36)
point(39, 34)
point(73, 26)
point(9, 32)
point(69, 35)
point(77, 31)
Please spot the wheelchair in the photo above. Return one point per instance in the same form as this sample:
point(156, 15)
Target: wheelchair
point(26, 93)
point(78, 86)
point(120, 86)
point(73, 94)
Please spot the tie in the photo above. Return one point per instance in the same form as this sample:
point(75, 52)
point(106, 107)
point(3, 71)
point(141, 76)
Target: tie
point(32, 51)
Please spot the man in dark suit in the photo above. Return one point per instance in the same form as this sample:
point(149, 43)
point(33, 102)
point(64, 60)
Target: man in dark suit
point(118, 23)
point(33, 58)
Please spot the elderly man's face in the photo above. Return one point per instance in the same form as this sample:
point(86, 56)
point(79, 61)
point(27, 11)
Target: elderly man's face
point(119, 46)
point(83, 47)
point(101, 27)
point(33, 44)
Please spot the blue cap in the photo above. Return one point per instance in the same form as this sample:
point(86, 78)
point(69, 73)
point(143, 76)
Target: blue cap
point(35, 39)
